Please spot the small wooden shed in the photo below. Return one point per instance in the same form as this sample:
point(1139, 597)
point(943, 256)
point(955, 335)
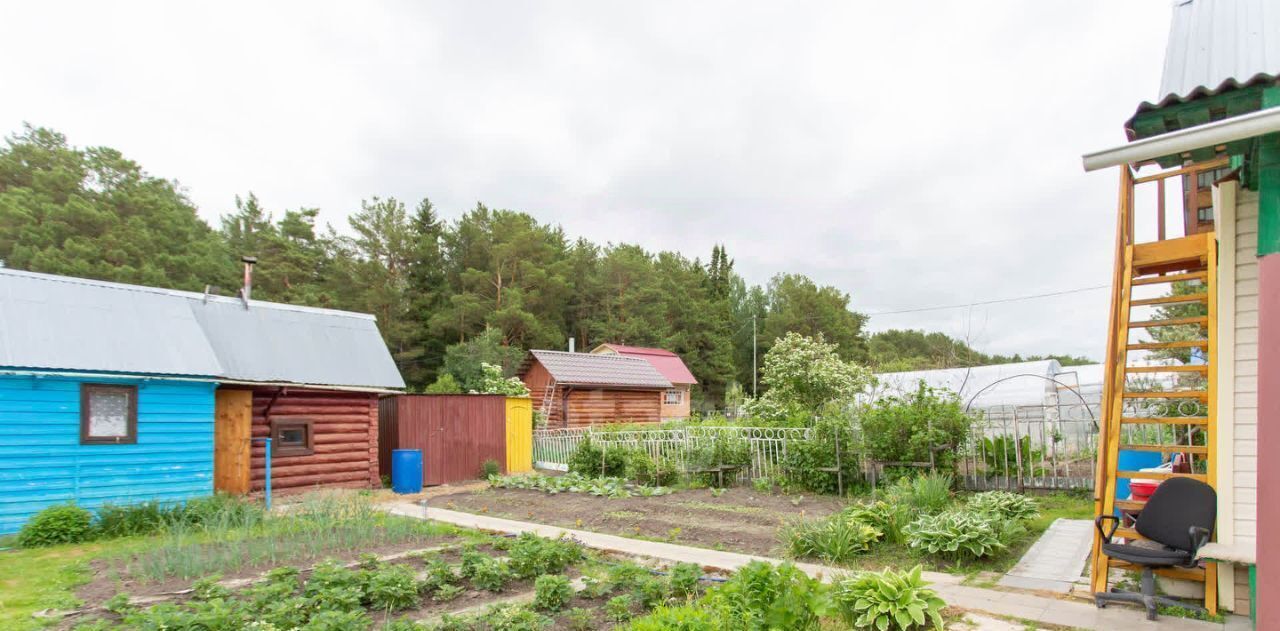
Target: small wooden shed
point(584, 389)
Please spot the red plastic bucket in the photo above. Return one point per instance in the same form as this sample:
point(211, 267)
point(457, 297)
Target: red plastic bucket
point(1142, 489)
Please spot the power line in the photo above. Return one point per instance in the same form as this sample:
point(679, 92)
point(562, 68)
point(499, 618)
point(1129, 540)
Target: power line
point(992, 302)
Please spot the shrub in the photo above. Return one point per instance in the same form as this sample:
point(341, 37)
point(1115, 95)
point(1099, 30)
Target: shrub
point(805, 458)
point(490, 468)
point(61, 523)
point(640, 468)
point(444, 384)
point(598, 460)
point(909, 428)
point(719, 448)
point(551, 592)
point(1011, 506)
point(764, 596)
point(531, 555)
point(128, 520)
point(684, 579)
point(889, 601)
point(957, 534)
point(835, 539)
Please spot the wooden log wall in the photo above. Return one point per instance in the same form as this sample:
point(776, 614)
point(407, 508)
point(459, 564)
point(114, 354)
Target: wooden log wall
point(599, 406)
point(345, 427)
point(536, 381)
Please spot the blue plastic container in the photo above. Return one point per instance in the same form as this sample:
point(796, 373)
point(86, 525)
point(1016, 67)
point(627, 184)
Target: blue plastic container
point(1134, 461)
point(406, 470)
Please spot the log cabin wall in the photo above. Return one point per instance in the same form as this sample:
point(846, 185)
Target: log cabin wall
point(601, 406)
point(536, 381)
point(345, 439)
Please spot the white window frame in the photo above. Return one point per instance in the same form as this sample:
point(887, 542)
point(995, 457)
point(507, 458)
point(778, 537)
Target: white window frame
point(678, 392)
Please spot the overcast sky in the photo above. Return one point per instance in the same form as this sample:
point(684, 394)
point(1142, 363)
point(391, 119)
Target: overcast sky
point(913, 154)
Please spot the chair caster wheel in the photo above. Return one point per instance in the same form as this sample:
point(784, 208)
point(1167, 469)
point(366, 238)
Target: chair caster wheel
point(1101, 603)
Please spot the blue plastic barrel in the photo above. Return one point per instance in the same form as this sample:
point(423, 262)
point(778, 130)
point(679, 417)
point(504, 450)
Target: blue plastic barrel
point(1134, 461)
point(406, 470)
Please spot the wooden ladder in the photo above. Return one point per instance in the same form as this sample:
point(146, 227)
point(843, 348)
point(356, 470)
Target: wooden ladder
point(1164, 262)
point(548, 402)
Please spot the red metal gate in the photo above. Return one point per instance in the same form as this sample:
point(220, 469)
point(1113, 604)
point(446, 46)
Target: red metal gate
point(456, 433)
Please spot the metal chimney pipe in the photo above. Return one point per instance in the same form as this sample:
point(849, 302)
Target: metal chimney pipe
point(247, 289)
point(571, 340)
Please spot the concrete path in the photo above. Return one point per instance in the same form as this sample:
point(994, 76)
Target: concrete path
point(1054, 563)
point(1027, 607)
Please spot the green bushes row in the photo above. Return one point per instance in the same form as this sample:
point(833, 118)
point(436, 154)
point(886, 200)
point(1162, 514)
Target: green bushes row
point(919, 513)
point(761, 596)
point(69, 523)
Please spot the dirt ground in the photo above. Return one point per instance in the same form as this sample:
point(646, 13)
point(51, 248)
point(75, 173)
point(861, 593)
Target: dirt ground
point(740, 520)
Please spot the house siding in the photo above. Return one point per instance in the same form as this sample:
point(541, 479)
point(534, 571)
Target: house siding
point(42, 462)
point(600, 406)
point(1245, 387)
point(678, 411)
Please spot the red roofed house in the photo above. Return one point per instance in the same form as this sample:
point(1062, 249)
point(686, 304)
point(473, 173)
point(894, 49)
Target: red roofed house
point(675, 400)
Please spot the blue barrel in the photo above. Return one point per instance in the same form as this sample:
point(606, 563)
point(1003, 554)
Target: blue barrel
point(1134, 461)
point(406, 470)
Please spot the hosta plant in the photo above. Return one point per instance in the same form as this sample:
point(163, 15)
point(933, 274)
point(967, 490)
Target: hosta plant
point(1005, 504)
point(889, 601)
point(957, 534)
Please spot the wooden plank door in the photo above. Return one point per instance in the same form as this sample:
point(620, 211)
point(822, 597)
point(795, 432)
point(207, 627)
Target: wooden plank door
point(233, 415)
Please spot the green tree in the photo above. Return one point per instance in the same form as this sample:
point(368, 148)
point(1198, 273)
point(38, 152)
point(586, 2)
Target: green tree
point(797, 304)
point(93, 213)
point(466, 360)
point(806, 378)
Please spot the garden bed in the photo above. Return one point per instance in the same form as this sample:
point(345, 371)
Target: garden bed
point(738, 519)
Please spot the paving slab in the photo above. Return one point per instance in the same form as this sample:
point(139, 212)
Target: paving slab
point(1029, 607)
point(1055, 561)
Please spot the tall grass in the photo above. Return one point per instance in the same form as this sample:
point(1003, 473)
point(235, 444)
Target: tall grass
point(320, 525)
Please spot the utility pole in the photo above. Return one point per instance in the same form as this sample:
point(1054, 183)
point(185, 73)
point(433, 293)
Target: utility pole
point(754, 370)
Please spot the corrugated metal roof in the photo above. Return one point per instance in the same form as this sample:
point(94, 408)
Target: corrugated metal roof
point(591, 369)
point(1216, 45)
point(53, 322)
point(667, 362)
point(60, 322)
point(317, 347)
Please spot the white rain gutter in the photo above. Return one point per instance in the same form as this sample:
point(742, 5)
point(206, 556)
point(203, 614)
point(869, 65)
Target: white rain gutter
point(1176, 143)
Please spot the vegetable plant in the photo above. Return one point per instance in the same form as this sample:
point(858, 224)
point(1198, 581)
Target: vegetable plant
point(551, 592)
point(889, 601)
point(835, 539)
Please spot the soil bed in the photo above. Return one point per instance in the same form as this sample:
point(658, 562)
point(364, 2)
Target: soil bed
point(739, 520)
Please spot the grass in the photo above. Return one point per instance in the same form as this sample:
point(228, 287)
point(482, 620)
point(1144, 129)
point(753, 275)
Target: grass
point(724, 508)
point(46, 578)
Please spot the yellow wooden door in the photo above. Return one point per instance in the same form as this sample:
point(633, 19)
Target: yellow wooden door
point(519, 434)
point(233, 416)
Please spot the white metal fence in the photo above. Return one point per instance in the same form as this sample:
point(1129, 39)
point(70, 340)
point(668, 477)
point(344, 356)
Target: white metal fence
point(1023, 447)
point(552, 448)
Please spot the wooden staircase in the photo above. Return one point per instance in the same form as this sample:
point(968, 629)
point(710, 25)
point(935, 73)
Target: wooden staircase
point(1131, 416)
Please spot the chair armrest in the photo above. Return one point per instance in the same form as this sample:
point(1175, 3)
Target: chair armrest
point(1106, 534)
point(1199, 537)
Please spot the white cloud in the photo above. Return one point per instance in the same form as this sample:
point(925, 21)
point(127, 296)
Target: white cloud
point(911, 153)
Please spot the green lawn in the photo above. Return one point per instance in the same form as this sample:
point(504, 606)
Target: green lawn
point(46, 578)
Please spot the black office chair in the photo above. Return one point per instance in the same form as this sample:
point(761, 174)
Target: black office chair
point(1179, 516)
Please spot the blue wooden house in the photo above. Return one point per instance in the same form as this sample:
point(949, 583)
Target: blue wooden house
point(109, 392)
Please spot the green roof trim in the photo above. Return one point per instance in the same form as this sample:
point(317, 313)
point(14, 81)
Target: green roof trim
point(1208, 109)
